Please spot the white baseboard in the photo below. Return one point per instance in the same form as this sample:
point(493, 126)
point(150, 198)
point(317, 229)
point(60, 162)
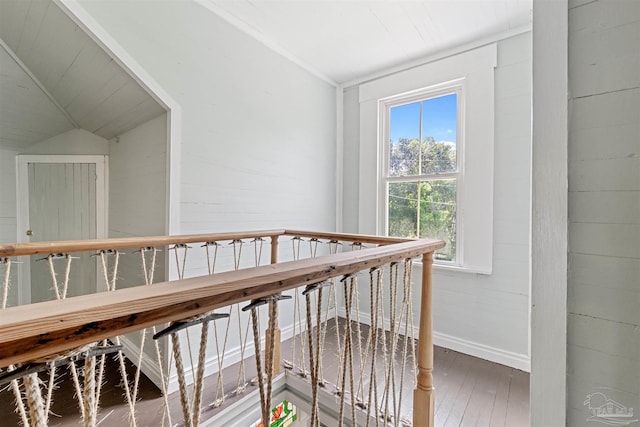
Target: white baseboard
point(482, 351)
point(503, 357)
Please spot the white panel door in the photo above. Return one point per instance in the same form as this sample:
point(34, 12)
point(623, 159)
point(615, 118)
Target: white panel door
point(61, 198)
point(62, 206)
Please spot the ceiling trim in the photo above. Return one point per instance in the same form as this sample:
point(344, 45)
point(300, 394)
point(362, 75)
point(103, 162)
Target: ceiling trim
point(21, 64)
point(438, 56)
point(262, 38)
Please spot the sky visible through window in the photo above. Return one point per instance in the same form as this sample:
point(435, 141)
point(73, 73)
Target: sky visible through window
point(439, 116)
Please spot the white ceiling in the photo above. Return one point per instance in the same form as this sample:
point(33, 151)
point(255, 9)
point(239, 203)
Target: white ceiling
point(60, 78)
point(48, 63)
point(27, 115)
point(345, 40)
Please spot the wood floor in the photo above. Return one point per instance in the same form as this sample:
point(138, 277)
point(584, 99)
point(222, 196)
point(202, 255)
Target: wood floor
point(475, 392)
point(469, 392)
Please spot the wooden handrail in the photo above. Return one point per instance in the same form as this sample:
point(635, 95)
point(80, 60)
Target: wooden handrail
point(19, 249)
point(45, 248)
point(347, 237)
point(42, 329)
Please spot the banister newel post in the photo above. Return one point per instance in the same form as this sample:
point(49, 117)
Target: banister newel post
point(423, 395)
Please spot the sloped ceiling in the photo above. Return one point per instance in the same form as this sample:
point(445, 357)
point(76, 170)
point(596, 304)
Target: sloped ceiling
point(69, 73)
point(27, 115)
point(345, 40)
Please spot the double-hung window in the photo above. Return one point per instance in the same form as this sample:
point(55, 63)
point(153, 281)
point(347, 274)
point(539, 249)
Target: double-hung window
point(426, 156)
point(420, 177)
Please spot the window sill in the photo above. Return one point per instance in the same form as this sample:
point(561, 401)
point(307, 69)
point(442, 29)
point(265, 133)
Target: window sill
point(452, 268)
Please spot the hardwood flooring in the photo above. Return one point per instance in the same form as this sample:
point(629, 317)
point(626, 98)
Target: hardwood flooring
point(475, 392)
point(469, 392)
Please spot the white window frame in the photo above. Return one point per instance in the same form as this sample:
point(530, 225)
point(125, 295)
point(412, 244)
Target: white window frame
point(384, 108)
point(475, 211)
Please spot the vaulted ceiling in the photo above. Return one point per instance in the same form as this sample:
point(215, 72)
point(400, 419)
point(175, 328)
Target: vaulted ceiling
point(54, 77)
point(345, 40)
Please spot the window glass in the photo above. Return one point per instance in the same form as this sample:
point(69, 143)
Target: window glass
point(438, 215)
point(403, 209)
point(439, 130)
point(422, 172)
point(404, 134)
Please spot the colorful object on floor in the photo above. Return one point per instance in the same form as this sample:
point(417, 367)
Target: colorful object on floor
point(282, 415)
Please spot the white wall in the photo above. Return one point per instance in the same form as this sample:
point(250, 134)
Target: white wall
point(138, 180)
point(603, 339)
point(138, 193)
point(258, 132)
point(7, 196)
point(73, 142)
point(484, 315)
point(8, 213)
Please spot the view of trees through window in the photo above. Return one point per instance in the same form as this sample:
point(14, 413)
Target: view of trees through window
point(422, 173)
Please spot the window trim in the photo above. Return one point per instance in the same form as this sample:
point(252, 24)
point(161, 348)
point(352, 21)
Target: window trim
point(477, 67)
point(385, 105)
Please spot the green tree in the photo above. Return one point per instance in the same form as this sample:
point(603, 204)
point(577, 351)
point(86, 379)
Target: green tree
point(423, 208)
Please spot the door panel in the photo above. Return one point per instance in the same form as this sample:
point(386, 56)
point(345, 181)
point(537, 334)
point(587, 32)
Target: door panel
point(62, 206)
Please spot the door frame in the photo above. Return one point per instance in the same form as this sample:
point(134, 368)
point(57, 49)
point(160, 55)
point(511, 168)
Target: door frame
point(22, 199)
